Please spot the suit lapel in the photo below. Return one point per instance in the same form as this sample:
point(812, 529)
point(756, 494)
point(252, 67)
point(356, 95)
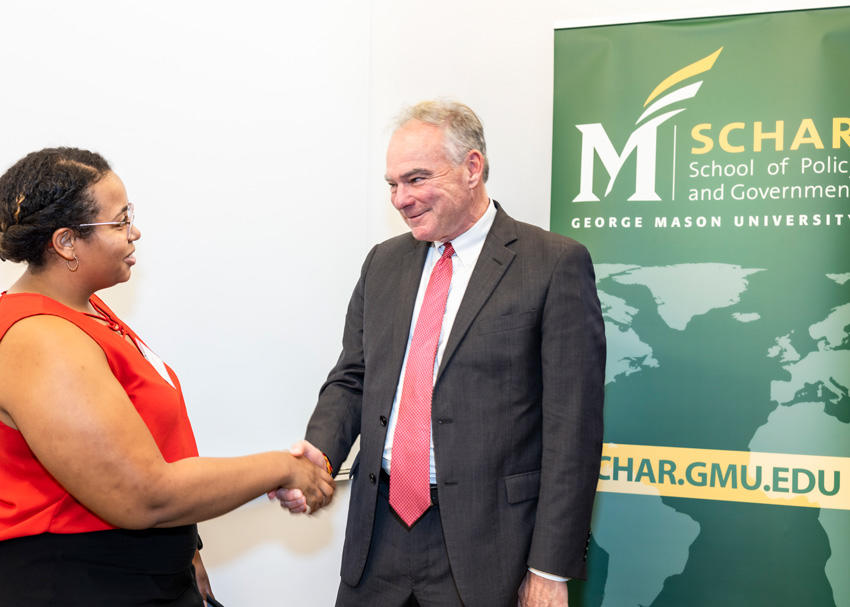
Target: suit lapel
point(493, 262)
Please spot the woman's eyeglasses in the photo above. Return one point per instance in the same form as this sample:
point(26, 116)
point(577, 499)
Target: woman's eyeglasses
point(124, 222)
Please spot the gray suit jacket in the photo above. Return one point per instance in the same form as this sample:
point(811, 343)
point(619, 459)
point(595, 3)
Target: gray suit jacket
point(516, 412)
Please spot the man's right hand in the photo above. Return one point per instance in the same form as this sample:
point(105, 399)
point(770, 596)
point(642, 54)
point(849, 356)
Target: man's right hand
point(294, 499)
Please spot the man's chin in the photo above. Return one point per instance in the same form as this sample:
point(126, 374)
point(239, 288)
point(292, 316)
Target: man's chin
point(423, 233)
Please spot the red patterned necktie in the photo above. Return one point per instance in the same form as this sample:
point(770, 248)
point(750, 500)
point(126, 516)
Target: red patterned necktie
point(410, 490)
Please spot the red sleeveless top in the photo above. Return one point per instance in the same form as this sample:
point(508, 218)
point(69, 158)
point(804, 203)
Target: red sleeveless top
point(31, 501)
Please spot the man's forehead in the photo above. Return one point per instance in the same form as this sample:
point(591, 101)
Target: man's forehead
point(415, 147)
point(416, 137)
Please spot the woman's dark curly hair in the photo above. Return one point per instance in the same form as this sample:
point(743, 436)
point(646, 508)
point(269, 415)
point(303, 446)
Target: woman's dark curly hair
point(42, 192)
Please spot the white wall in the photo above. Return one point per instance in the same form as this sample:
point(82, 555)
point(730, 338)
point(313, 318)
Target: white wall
point(251, 138)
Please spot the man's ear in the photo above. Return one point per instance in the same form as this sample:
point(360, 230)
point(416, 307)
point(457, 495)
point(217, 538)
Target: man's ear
point(474, 163)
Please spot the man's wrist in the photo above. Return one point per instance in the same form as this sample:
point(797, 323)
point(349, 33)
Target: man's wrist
point(548, 576)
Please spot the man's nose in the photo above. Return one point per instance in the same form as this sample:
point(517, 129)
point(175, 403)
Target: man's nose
point(401, 197)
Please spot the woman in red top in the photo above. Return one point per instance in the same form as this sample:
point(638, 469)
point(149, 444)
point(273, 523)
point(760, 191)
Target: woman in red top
point(100, 481)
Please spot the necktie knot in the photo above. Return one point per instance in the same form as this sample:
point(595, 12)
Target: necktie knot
point(448, 251)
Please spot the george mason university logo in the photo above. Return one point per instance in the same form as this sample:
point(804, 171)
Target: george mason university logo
point(643, 140)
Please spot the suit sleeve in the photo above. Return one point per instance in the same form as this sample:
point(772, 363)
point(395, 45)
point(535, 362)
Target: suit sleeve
point(335, 423)
point(573, 375)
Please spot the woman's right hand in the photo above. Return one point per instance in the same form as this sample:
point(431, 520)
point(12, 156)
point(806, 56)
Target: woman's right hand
point(311, 479)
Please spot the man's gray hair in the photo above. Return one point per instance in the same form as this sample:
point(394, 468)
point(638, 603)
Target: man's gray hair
point(462, 128)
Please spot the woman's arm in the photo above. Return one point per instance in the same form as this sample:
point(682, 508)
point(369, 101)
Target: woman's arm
point(58, 390)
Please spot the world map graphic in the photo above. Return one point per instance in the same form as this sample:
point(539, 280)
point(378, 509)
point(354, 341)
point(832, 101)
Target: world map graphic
point(750, 364)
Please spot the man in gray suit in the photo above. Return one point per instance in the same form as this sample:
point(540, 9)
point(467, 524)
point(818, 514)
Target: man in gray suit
point(513, 436)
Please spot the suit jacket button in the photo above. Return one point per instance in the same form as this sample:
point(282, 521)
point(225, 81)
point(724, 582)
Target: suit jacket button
point(383, 420)
point(372, 477)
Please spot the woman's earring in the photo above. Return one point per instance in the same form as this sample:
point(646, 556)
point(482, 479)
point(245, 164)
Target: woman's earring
point(76, 264)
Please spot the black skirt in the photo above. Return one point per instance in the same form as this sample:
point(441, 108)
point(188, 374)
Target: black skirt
point(114, 568)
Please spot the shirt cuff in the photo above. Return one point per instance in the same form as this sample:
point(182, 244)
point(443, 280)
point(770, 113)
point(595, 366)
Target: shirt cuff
point(549, 576)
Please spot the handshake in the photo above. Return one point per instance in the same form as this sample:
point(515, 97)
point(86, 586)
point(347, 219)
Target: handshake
point(311, 486)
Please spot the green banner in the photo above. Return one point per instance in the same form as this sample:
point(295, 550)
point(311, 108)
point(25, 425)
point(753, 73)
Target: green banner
point(706, 165)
